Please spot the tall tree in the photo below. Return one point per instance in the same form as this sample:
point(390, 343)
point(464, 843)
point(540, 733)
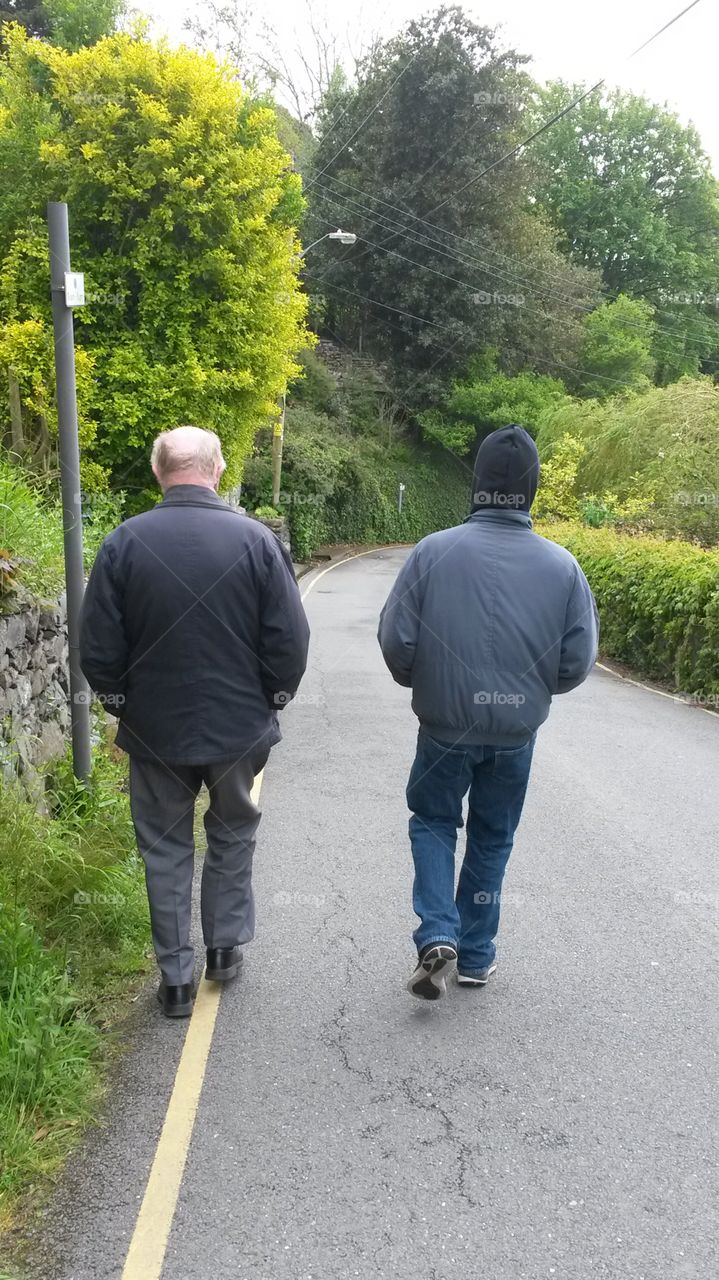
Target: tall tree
point(431, 110)
point(632, 193)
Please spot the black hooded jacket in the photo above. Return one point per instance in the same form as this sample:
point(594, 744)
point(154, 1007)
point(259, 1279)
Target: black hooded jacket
point(506, 471)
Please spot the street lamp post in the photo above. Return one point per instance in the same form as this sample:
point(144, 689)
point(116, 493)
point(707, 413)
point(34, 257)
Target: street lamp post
point(67, 290)
point(278, 433)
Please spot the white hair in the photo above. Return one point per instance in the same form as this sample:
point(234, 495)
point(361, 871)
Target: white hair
point(187, 449)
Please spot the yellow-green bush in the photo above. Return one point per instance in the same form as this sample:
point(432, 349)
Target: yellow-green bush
point(658, 601)
point(183, 210)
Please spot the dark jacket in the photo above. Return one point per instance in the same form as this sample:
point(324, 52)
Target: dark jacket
point(488, 620)
point(193, 631)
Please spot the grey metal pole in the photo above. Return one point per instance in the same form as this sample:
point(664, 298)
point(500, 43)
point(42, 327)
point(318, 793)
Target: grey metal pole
point(69, 455)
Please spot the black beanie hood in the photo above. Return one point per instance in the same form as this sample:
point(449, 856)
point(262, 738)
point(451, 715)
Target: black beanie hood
point(506, 471)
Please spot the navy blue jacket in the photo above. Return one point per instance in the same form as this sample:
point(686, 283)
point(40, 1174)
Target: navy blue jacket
point(485, 623)
point(193, 631)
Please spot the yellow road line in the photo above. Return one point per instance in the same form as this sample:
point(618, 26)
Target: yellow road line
point(148, 1246)
point(149, 1241)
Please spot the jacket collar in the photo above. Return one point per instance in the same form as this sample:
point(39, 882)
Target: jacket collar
point(492, 515)
point(195, 494)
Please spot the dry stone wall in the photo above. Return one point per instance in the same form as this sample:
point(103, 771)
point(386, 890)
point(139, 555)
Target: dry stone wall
point(34, 709)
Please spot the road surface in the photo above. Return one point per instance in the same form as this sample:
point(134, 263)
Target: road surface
point(560, 1123)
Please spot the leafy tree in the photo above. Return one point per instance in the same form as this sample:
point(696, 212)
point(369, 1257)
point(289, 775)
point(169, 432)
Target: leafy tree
point(74, 23)
point(69, 23)
point(617, 348)
point(632, 193)
point(431, 110)
point(488, 399)
point(182, 208)
point(30, 14)
point(296, 138)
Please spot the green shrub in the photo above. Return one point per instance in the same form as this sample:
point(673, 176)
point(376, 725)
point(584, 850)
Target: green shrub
point(488, 398)
point(73, 928)
point(340, 487)
point(658, 450)
point(558, 481)
point(316, 388)
point(31, 529)
point(658, 601)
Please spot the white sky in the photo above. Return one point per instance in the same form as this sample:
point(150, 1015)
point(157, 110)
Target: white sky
point(565, 38)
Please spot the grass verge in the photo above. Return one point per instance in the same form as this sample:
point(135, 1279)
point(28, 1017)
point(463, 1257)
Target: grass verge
point(73, 933)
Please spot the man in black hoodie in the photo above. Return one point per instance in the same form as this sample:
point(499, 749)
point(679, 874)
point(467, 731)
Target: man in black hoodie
point(485, 623)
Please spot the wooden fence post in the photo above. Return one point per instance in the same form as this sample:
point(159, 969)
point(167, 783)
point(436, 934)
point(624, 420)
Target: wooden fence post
point(18, 441)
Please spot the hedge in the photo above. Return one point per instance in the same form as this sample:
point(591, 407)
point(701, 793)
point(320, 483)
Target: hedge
point(658, 601)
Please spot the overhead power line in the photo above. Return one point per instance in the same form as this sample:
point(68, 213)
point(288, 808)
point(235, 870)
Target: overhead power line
point(560, 114)
point(520, 281)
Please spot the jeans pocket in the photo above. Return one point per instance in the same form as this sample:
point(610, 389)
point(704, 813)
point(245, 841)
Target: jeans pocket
point(512, 764)
point(438, 748)
point(509, 753)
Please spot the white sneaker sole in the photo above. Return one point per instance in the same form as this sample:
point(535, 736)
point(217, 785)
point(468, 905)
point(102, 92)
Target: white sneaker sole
point(429, 980)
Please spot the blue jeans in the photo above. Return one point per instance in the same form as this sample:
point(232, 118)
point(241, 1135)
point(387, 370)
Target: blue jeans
point(441, 776)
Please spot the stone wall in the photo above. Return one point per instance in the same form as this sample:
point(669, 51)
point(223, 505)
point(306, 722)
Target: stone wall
point(34, 710)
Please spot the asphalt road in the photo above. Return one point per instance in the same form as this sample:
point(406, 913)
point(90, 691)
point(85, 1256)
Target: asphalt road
point(561, 1122)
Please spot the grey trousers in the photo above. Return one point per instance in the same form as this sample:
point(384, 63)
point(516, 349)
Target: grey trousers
point(162, 800)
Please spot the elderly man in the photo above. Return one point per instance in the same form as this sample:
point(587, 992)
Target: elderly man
point(193, 630)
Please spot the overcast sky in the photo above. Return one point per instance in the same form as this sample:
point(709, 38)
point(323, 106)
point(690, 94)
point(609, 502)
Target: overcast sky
point(565, 39)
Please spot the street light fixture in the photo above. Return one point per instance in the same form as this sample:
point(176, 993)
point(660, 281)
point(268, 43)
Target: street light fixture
point(278, 434)
point(344, 237)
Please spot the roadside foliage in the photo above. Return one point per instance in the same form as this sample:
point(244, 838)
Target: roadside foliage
point(183, 212)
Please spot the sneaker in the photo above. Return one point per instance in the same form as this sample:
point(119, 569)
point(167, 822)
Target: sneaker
point(429, 980)
point(479, 979)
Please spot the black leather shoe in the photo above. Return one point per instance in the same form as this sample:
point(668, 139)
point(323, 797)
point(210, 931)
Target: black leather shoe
point(176, 1001)
point(223, 963)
